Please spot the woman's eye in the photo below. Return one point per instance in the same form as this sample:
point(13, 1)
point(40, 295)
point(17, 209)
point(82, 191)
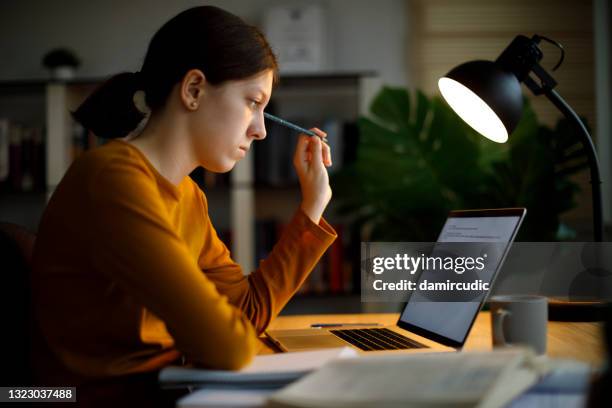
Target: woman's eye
point(254, 103)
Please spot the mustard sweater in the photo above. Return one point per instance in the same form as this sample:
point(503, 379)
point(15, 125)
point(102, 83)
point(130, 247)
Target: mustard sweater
point(129, 274)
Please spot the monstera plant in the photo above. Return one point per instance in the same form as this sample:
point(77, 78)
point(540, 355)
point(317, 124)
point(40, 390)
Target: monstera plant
point(416, 160)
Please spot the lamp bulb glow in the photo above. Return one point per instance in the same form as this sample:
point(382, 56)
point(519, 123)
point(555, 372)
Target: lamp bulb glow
point(473, 110)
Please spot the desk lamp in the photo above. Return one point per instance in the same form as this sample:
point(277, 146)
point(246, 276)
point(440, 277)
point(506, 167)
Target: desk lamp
point(487, 96)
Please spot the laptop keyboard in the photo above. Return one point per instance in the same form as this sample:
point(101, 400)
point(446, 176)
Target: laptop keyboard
point(376, 339)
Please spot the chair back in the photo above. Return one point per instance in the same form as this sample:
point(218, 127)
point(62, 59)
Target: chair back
point(16, 249)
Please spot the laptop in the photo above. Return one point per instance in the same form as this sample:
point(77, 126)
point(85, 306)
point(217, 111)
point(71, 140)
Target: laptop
point(426, 324)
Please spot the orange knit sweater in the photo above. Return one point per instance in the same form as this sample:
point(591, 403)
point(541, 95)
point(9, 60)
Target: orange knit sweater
point(129, 274)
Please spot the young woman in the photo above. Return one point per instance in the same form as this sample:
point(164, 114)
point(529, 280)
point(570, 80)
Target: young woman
point(129, 274)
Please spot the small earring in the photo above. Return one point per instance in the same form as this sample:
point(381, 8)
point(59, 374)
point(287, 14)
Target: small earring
point(194, 105)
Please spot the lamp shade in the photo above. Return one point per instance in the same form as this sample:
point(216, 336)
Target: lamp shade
point(485, 96)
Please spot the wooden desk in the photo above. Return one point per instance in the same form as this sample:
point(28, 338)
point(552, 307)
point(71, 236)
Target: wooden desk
point(580, 341)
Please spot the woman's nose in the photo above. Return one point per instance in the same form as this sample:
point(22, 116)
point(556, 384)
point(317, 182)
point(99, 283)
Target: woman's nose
point(258, 130)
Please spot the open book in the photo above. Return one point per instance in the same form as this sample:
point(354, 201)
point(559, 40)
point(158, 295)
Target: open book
point(467, 379)
point(266, 371)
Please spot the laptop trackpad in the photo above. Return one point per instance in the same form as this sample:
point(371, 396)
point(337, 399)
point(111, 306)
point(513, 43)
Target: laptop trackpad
point(310, 341)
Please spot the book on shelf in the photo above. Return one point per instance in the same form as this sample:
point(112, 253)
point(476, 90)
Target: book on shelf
point(4, 150)
point(274, 154)
point(38, 159)
point(22, 157)
point(27, 156)
point(335, 264)
point(15, 157)
point(333, 272)
point(331, 275)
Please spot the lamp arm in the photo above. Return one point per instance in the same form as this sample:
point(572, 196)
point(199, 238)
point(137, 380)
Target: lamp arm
point(587, 142)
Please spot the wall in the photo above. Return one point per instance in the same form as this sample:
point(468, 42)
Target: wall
point(112, 36)
point(602, 15)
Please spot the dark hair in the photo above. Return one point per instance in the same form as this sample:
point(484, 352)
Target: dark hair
point(223, 46)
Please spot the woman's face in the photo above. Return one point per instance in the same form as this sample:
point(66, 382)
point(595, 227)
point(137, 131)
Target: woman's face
point(228, 119)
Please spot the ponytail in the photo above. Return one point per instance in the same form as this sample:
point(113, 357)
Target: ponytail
point(110, 112)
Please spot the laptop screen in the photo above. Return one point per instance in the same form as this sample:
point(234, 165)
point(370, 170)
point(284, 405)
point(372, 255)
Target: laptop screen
point(450, 322)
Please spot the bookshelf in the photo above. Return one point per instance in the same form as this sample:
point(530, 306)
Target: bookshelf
point(310, 99)
point(22, 163)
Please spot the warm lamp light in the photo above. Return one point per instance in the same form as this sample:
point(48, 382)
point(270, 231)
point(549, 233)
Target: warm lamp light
point(487, 96)
point(473, 110)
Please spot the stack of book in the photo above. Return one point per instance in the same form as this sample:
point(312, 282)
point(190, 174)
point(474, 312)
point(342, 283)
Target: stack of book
point(22, 157)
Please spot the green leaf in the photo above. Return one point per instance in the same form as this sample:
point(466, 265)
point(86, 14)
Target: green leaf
point(392, 105)
point(413, 166)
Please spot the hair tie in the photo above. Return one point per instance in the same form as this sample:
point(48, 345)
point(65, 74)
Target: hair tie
point(140, 101)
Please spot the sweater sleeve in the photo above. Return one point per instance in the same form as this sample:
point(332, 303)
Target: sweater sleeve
point(134, 243)
point(262, 294)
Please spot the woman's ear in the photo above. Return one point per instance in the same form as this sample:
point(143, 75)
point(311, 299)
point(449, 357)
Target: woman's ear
point(192, 89)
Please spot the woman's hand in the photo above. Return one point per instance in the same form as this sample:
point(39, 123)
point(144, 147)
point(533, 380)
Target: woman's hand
point(311, 157)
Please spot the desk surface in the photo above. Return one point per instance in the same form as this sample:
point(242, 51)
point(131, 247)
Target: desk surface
point(580, 341)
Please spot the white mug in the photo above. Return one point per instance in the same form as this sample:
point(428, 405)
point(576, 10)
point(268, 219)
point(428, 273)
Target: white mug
point(519, 320)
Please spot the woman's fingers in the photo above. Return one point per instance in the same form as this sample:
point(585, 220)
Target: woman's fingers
point(301, 150)
point(309, 147)
point(327, 155)
point(317, 152)
point(311, 156)
point(325, 147)
point(322, 135)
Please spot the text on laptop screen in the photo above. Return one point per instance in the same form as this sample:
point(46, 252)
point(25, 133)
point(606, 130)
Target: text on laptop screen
point(453, 319)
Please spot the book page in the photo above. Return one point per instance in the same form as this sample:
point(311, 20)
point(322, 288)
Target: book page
point(397, 380)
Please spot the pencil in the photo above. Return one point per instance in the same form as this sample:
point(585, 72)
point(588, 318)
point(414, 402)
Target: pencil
point(292, 126)
point(323, 325)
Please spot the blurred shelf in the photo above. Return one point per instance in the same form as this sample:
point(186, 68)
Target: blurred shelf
point(215, 190)
point(23, 84)
point(292, 76)
point(323, 304)
point(272, 188)
point(23, 208)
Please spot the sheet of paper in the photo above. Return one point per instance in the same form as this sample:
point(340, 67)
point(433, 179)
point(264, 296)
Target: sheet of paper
point(273, 368)
point(297, 361)
point(224, 399)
